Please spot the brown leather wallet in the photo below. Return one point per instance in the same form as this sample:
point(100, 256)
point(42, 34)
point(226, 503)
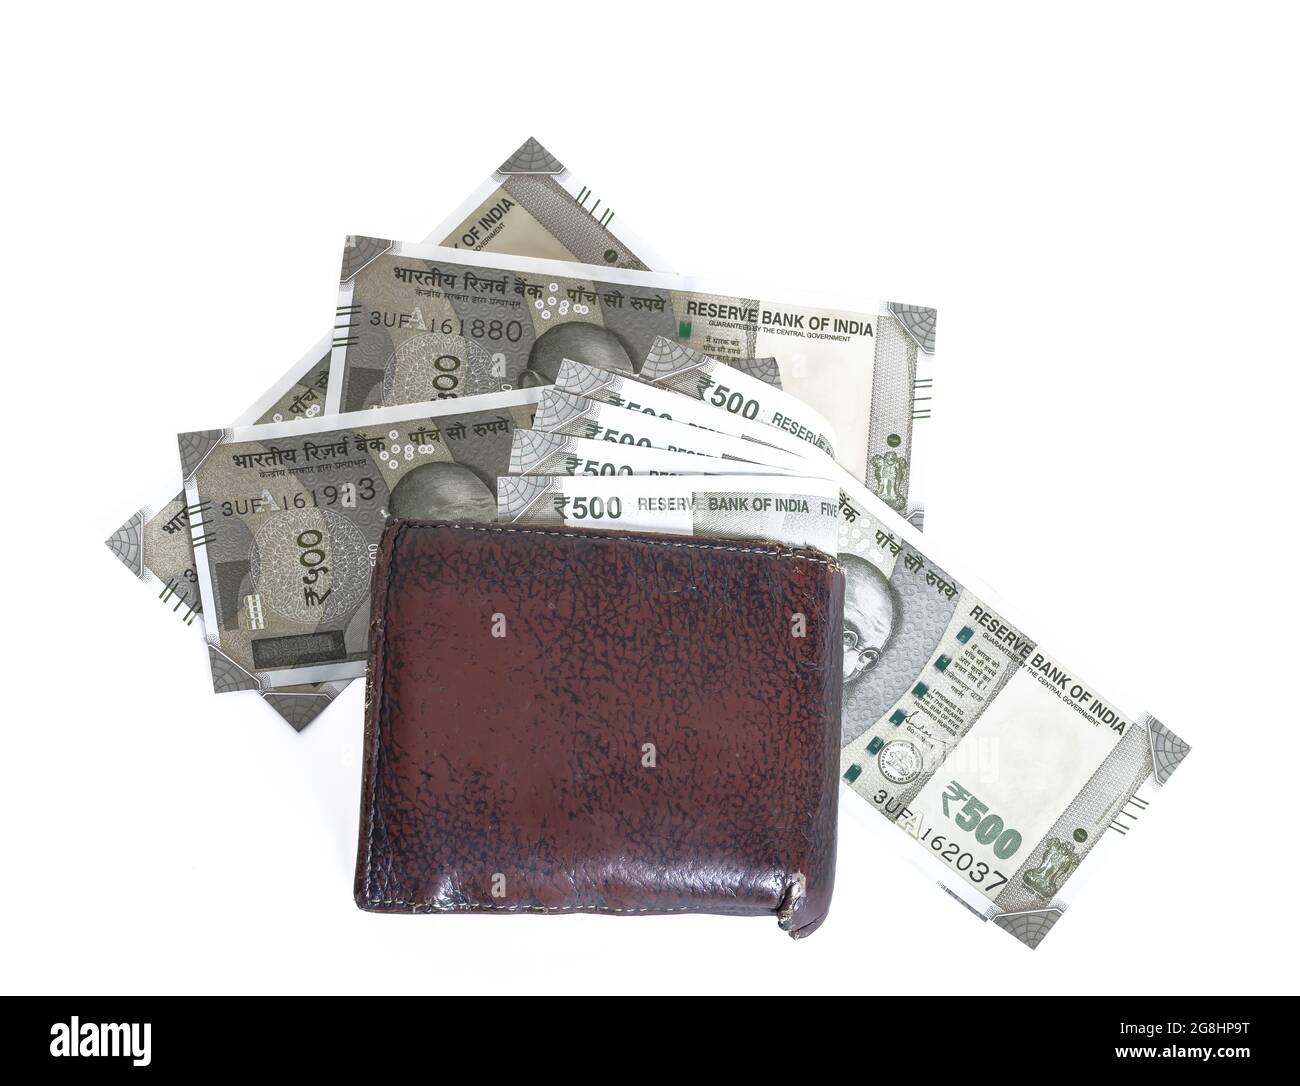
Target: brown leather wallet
point(578, 721)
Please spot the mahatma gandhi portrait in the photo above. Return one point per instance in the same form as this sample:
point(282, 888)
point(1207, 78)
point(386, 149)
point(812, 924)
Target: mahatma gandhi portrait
point(443, 491)
point(872, 611)
point(589, 343)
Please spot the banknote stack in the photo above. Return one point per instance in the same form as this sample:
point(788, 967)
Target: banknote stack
point(526, 366)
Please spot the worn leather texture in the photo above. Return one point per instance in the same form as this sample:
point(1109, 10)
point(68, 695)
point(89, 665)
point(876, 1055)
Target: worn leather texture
point(517, 675)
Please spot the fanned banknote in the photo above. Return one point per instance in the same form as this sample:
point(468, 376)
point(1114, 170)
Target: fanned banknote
point(531, 205)
point(538, 453)
point(419, 322)
point(561, 412)
point(701, 377)
point(285, 518)
point(620, 390)
point(796, 511)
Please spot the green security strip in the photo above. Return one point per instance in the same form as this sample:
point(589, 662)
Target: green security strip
point(852, 773)
point(897, 717)
point(874, 746)
point(942, 663)
point(919, 690)
point(965, 634)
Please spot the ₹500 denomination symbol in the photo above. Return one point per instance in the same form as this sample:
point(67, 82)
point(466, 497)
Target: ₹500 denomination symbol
point(309, 564)
point(973, 816)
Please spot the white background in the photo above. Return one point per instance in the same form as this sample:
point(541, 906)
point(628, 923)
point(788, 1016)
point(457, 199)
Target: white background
point(1101, 201)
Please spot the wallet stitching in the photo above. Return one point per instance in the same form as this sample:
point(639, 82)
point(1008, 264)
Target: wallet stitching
point(476, 906)
point(777, 553)
point(382, 708)
point(383, 702)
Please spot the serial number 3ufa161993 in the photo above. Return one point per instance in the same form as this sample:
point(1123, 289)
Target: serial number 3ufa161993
point(342, 495)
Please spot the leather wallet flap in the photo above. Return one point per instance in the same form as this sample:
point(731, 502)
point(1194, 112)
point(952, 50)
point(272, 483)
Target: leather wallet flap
point(562, 721)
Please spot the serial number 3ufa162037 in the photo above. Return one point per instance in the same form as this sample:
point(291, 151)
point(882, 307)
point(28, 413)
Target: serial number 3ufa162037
point(986, 878)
